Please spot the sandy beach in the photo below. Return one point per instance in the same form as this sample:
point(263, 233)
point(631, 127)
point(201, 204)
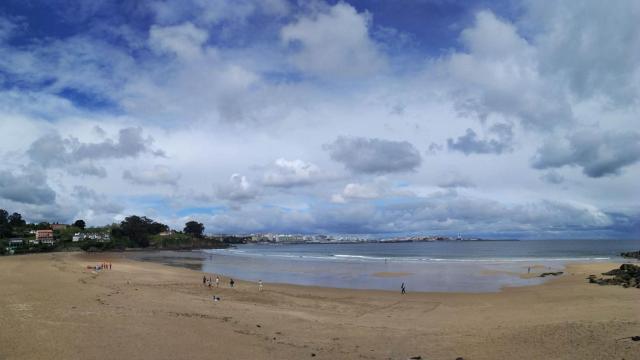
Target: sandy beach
point(53, 307)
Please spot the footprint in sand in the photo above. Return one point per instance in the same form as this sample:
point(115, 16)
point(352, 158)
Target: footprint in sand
point(21, 307)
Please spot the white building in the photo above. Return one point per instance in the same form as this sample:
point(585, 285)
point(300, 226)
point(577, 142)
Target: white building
point(100, 237)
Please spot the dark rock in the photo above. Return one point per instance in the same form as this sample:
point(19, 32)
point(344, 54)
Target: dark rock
point(313, 355)
point(631, 254)
point(459, 358)
point(635, 338)
point(627, 275)
point(416, 357)
point(551, 273)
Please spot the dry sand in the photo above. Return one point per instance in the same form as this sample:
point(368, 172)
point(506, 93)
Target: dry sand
point(51, 307)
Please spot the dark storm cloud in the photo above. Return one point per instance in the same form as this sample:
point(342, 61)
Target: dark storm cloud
point(597, 153)
point(374, 156)
point(470, 143)
point(29, 187)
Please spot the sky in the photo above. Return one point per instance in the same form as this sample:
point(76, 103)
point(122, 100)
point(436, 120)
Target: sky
point(498, 119)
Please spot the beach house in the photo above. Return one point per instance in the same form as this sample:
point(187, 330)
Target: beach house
point(44, 237)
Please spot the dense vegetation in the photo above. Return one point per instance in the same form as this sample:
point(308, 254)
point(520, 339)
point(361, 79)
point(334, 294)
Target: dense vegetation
point(133, 232)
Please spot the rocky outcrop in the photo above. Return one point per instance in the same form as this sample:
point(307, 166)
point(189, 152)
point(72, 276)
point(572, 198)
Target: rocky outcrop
point(631, 254)
point(627, 275)
point(551, 274)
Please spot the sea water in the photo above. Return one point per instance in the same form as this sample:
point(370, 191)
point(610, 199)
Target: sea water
point(443, 266)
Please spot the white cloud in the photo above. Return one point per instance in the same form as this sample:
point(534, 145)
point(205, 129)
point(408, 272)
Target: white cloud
point(221, 86)
point(334, 43)
point(238, 189)
point(592, 46)
point(379, 188)
point(184, 40)
point(287, 173)
point(499, 75)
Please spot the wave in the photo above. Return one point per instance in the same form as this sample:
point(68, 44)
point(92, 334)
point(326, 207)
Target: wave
point(370, 258)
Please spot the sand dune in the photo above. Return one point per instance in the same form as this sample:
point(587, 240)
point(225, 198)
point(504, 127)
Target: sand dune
point(52, 307)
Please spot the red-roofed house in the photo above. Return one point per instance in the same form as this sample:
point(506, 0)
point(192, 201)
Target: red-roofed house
point(44, 237)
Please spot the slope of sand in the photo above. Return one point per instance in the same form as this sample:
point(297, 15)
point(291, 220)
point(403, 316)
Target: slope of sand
point(51, 307)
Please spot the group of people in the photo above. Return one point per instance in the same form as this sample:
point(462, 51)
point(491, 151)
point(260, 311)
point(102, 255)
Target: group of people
point(103, 266)
point(208, 282)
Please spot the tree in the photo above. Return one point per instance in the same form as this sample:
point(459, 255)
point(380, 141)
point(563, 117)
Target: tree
point(16, 220)
point(194, 228)
point(138, 229)
point(80, 224)
point(43, 226)
point(5, 227)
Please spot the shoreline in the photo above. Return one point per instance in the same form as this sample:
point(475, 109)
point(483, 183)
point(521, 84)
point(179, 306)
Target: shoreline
point(146, 310)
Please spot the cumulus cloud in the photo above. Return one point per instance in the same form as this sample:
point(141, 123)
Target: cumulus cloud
point(29, 186)
point(231, 83)
point(288, 173)
point(333, 43)
point(596, 55)
point(498, 74)
point(184, 40)
point(238, 189)
point(597, 153)
point(374, 156)
point(158, 175)
point(51, 150)
point(469, 143)
point(193, 80)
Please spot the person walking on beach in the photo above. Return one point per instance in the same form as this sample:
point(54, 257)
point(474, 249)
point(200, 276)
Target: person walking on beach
point(404, 290)
point(259, 285)
point(204, 280)
point(217, 281)
point(529, 270)
point(231, 282)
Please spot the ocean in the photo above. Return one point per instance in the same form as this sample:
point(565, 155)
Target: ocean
point(443, 266)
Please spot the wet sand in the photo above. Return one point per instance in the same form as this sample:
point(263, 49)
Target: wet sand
point(52, 307)
point(384, 274)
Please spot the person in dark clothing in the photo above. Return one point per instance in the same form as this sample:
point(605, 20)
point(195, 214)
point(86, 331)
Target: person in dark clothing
point(231, 282)
point(404, 290)
point(204, 280)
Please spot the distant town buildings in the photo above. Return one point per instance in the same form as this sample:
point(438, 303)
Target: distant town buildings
point(320, 238)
